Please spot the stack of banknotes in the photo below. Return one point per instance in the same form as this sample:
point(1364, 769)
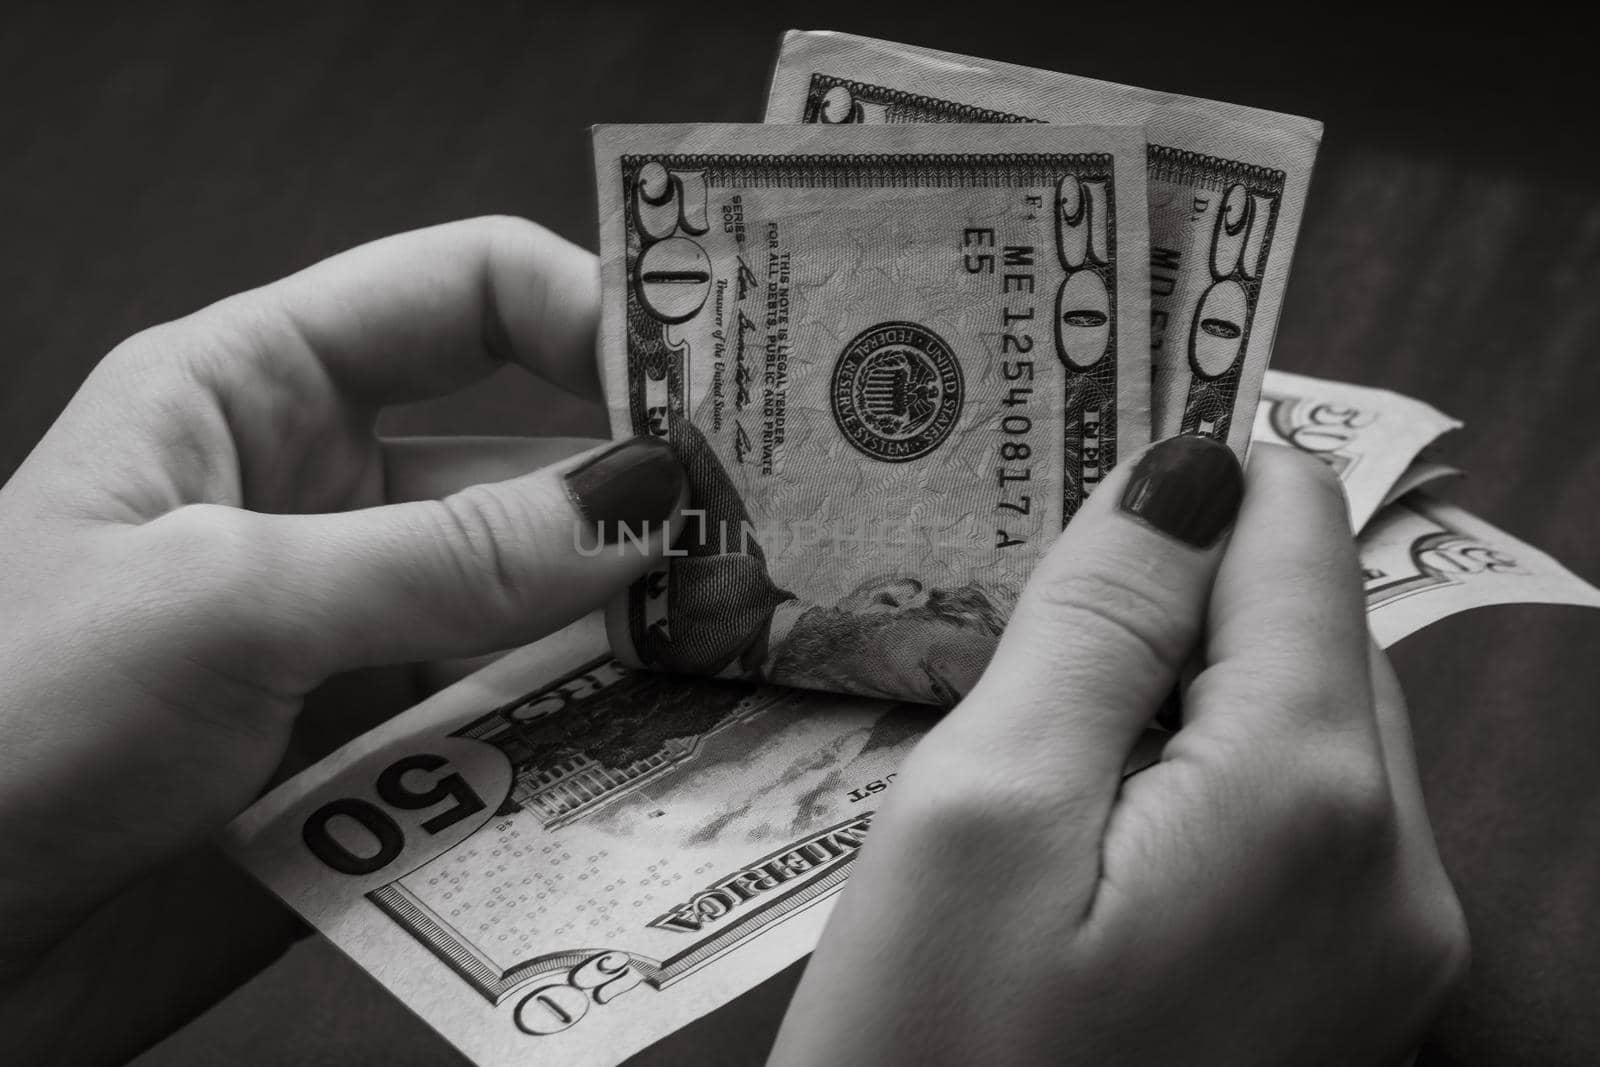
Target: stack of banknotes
point(897, 335)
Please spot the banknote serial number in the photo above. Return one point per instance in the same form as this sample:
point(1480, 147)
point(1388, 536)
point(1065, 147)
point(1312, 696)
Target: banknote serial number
point(1013, 265)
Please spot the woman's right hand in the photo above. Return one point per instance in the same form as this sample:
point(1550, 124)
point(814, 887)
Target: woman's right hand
point(1269, 892)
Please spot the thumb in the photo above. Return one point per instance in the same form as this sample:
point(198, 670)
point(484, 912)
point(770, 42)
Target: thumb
point(485, 568)
point(1110, 614)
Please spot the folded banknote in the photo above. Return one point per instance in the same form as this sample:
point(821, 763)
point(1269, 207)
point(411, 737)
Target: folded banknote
point(894, 360)
point(1373, 438)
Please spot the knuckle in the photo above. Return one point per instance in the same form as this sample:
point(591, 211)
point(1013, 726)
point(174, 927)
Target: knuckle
point(1429, 942)
point(506, 223)
point(955, 803)
point(479, 526)
point(1101, 609)
point(949, 811)
point(203, 587)
point(473, 524)
point(1344, 808)
point(1312, 706)
point(133, 362)
point(1445, 942)
point(511, 230)
point(211, 550)
point(1318, 705)
point(206, 347)
point(208, 571)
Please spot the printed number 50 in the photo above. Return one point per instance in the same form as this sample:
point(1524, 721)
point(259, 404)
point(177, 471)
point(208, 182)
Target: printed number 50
point(673, 273)
point(396, 791)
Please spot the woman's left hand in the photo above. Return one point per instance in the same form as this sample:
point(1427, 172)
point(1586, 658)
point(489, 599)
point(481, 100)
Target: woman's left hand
point(212, 528)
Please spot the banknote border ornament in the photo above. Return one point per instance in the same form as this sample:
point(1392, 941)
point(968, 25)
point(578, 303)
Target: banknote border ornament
point(927, 108)
point(873, 349)
point(1439, 557)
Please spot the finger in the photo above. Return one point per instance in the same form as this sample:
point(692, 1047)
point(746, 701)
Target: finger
point(1278, 758)
point(422, 314)
point(1279, 741)
point(489, 567)
point(1110, 614)
point(1287, 644)
point(1279, 727)
point(430, 468)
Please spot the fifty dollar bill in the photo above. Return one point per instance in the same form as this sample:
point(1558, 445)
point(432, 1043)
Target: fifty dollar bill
point(1373, 438)
point(894, 361)
point(1227, 187)
point(559, 860)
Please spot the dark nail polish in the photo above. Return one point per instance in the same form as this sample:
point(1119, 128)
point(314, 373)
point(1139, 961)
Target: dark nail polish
point(632, 485)
point(1188, 487)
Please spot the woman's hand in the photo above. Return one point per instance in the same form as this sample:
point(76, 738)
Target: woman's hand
point(1267, 893)
point(212, 528)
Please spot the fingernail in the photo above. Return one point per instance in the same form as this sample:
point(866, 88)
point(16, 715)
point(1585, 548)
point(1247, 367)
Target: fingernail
point(633, 485)
point(1188, 487)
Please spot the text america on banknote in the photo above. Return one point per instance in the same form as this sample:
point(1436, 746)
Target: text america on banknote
point(893, 361)
point(1227, 187)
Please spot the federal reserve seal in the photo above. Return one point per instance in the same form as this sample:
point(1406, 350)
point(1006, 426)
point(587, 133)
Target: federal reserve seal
point(896, 391)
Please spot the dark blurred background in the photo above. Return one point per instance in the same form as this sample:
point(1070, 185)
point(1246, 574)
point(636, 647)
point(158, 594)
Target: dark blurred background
point(158, 157)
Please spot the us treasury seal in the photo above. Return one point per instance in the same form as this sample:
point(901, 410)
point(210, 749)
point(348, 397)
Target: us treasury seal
point(897, 391)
